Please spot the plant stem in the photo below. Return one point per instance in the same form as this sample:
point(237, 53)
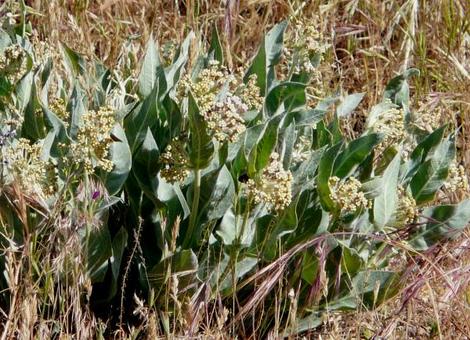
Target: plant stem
point(194, 207)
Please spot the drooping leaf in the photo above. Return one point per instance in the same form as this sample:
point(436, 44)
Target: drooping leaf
point(442, 222)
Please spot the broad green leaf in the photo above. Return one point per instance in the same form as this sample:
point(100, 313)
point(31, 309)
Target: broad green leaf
point(221, 194)
point(266, 143)
point(267, 57)
point(24, 90)
point(201, 146)
point(290, 94)
point(354, 154)
point(76, 107)
point(120, 155)
point(386, 202)
point(140, 119)
point(146, 166)
point(433, 172)
point(150, 68)
point(173, 72)
point(99, 250)
point(373, 287)
point(442, 222)
point(397, 89)
point(75, 62)
point(215, 48)
point(420, 153)
point(348, 104)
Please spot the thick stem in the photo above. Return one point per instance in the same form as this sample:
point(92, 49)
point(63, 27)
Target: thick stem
point(194, 208)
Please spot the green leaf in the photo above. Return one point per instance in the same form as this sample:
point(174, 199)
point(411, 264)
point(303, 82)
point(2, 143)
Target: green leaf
point(267, 142)
point(397, 90)
point(99, 250)
point(289, 94)
point(146, 166)
point(386, 202)
point(24, 90)
point(140, 119)
point(221, 194)
point(373, 287)
point(325, 169)
point(150, 68)
point(215, 48)
point(445, 221)
point(75, 62)
point(202, 148)
point(354, 154)
point(120, 155)
point(420, 153)
point(173, 72)
point(348, 104)
point(267, 57)
point(77, 108)
point(433, 172)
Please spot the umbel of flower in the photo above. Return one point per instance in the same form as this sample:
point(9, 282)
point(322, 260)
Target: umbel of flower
point(274, 187)
point(224, 118)
point(390, 123)
point(456, 179)
point(407, 210)
point(347, 195)
point(206, 87)
point(175, 162)
point(24, 163)
point(94, 139)
point(12, 62)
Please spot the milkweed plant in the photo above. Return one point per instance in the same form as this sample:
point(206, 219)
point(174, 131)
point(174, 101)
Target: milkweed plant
point(192, 180)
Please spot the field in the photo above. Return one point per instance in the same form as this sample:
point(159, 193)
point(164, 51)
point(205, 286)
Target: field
point(234, 169)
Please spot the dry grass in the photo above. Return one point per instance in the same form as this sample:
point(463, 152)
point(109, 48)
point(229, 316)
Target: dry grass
point(371, 41)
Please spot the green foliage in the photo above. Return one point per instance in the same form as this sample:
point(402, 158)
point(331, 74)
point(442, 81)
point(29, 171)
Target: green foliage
point(226, 219)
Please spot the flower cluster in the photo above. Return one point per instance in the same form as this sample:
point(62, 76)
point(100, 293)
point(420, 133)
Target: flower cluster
point(274, 185)
point(13, 62)
point(94, 139)
point(224, 116)
point(207, 85)
point(307, 41)
point(407, 210)
point(58, 106)
point(175, 162)
point(347, 195)
point(23, 161)
point(456, 179)
point(250, 94)
point(224, 119)
point(391, 124)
